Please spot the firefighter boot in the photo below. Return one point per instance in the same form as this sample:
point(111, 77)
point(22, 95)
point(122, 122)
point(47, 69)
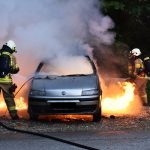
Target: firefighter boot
point(14, 115)
point(144, 100)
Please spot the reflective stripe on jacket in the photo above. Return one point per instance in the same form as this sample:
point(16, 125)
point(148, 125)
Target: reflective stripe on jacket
point(15, 68)
point(139, 67)
point(136, 67)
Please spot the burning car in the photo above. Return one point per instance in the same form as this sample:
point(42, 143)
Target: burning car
point(60, 89)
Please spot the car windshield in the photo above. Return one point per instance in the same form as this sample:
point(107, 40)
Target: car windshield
point(75, 65)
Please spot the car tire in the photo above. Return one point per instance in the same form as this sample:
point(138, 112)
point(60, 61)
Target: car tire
point(33, 116)
point(97, 115)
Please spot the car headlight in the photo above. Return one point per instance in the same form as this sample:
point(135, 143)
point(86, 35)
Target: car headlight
point(90, 92)
point(37, 93)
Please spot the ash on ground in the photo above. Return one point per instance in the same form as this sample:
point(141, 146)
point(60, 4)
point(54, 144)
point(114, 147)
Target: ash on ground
point(82, 123)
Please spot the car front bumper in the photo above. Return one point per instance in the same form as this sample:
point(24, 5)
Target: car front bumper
point(78, 105)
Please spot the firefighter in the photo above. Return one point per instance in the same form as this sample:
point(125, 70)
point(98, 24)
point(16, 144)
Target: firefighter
point(137, 73)
point(146, 60)
point(6, 84)
point(147, 65)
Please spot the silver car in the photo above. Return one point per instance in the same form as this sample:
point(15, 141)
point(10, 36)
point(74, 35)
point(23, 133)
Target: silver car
point(77, 92)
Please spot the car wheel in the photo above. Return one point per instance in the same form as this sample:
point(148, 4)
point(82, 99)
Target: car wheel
point(33, 116)
point(97, 115)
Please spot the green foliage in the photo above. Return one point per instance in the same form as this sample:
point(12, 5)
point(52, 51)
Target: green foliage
point(116, 5)
point(132, 19)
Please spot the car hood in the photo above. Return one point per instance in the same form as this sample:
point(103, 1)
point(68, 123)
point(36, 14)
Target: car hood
point(72, 85)
point(76, 82)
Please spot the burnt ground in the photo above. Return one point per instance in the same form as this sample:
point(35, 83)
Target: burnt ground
point(63, 124)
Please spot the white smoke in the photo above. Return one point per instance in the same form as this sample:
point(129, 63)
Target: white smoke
point(47, 29)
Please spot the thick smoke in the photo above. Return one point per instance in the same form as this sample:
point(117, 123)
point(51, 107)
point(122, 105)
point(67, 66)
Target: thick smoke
point(50, 29)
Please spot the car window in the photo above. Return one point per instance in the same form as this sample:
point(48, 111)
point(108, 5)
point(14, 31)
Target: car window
point(68, 66)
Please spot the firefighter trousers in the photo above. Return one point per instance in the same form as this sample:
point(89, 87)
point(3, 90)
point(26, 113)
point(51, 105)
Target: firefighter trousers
point(9, 99)
point(141, 89)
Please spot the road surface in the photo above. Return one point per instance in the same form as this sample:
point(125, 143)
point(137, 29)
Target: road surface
point(107, 140)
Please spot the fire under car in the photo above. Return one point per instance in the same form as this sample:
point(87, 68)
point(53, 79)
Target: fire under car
point(57, 90)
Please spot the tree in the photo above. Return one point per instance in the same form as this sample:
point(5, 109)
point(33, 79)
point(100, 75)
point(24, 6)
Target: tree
point(132, 19)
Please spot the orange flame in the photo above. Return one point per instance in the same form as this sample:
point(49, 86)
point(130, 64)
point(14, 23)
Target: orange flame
point(20, 104)
point(2, 105)
point(21, 107)
point(119, 99)
point(124, 101)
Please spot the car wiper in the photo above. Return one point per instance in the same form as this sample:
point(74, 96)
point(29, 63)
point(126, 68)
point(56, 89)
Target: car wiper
point(38, 77)
point(72, 75)
point(51, 77)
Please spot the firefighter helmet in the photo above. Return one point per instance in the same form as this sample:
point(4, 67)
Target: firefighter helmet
point(136, 52)
point(12, 45)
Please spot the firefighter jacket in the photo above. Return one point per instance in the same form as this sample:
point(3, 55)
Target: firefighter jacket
point(136, 67)
point(14, 68)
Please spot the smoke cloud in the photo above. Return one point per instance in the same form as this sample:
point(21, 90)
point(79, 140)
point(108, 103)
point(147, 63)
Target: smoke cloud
point(51, 29)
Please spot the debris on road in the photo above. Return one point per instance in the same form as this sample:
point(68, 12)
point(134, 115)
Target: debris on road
point(141, 122)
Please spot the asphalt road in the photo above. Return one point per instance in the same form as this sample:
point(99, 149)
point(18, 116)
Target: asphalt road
point(107, 140)
point(119, 133)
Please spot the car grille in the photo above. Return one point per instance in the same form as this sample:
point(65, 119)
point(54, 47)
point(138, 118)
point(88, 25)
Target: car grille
point(41, 106)
point(62, 108)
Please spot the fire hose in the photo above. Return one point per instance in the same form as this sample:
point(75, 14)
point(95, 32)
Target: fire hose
point(22, 86)
point(14, 85)
point(44, 135)
point(48, 136)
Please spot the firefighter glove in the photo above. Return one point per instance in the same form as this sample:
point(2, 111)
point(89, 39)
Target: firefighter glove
point(12, 89)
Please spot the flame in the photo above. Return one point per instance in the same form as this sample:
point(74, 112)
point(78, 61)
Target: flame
point(123, 101)
point(2, 105)
point(20, 104)
point(21, 107)
point(119, 99)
